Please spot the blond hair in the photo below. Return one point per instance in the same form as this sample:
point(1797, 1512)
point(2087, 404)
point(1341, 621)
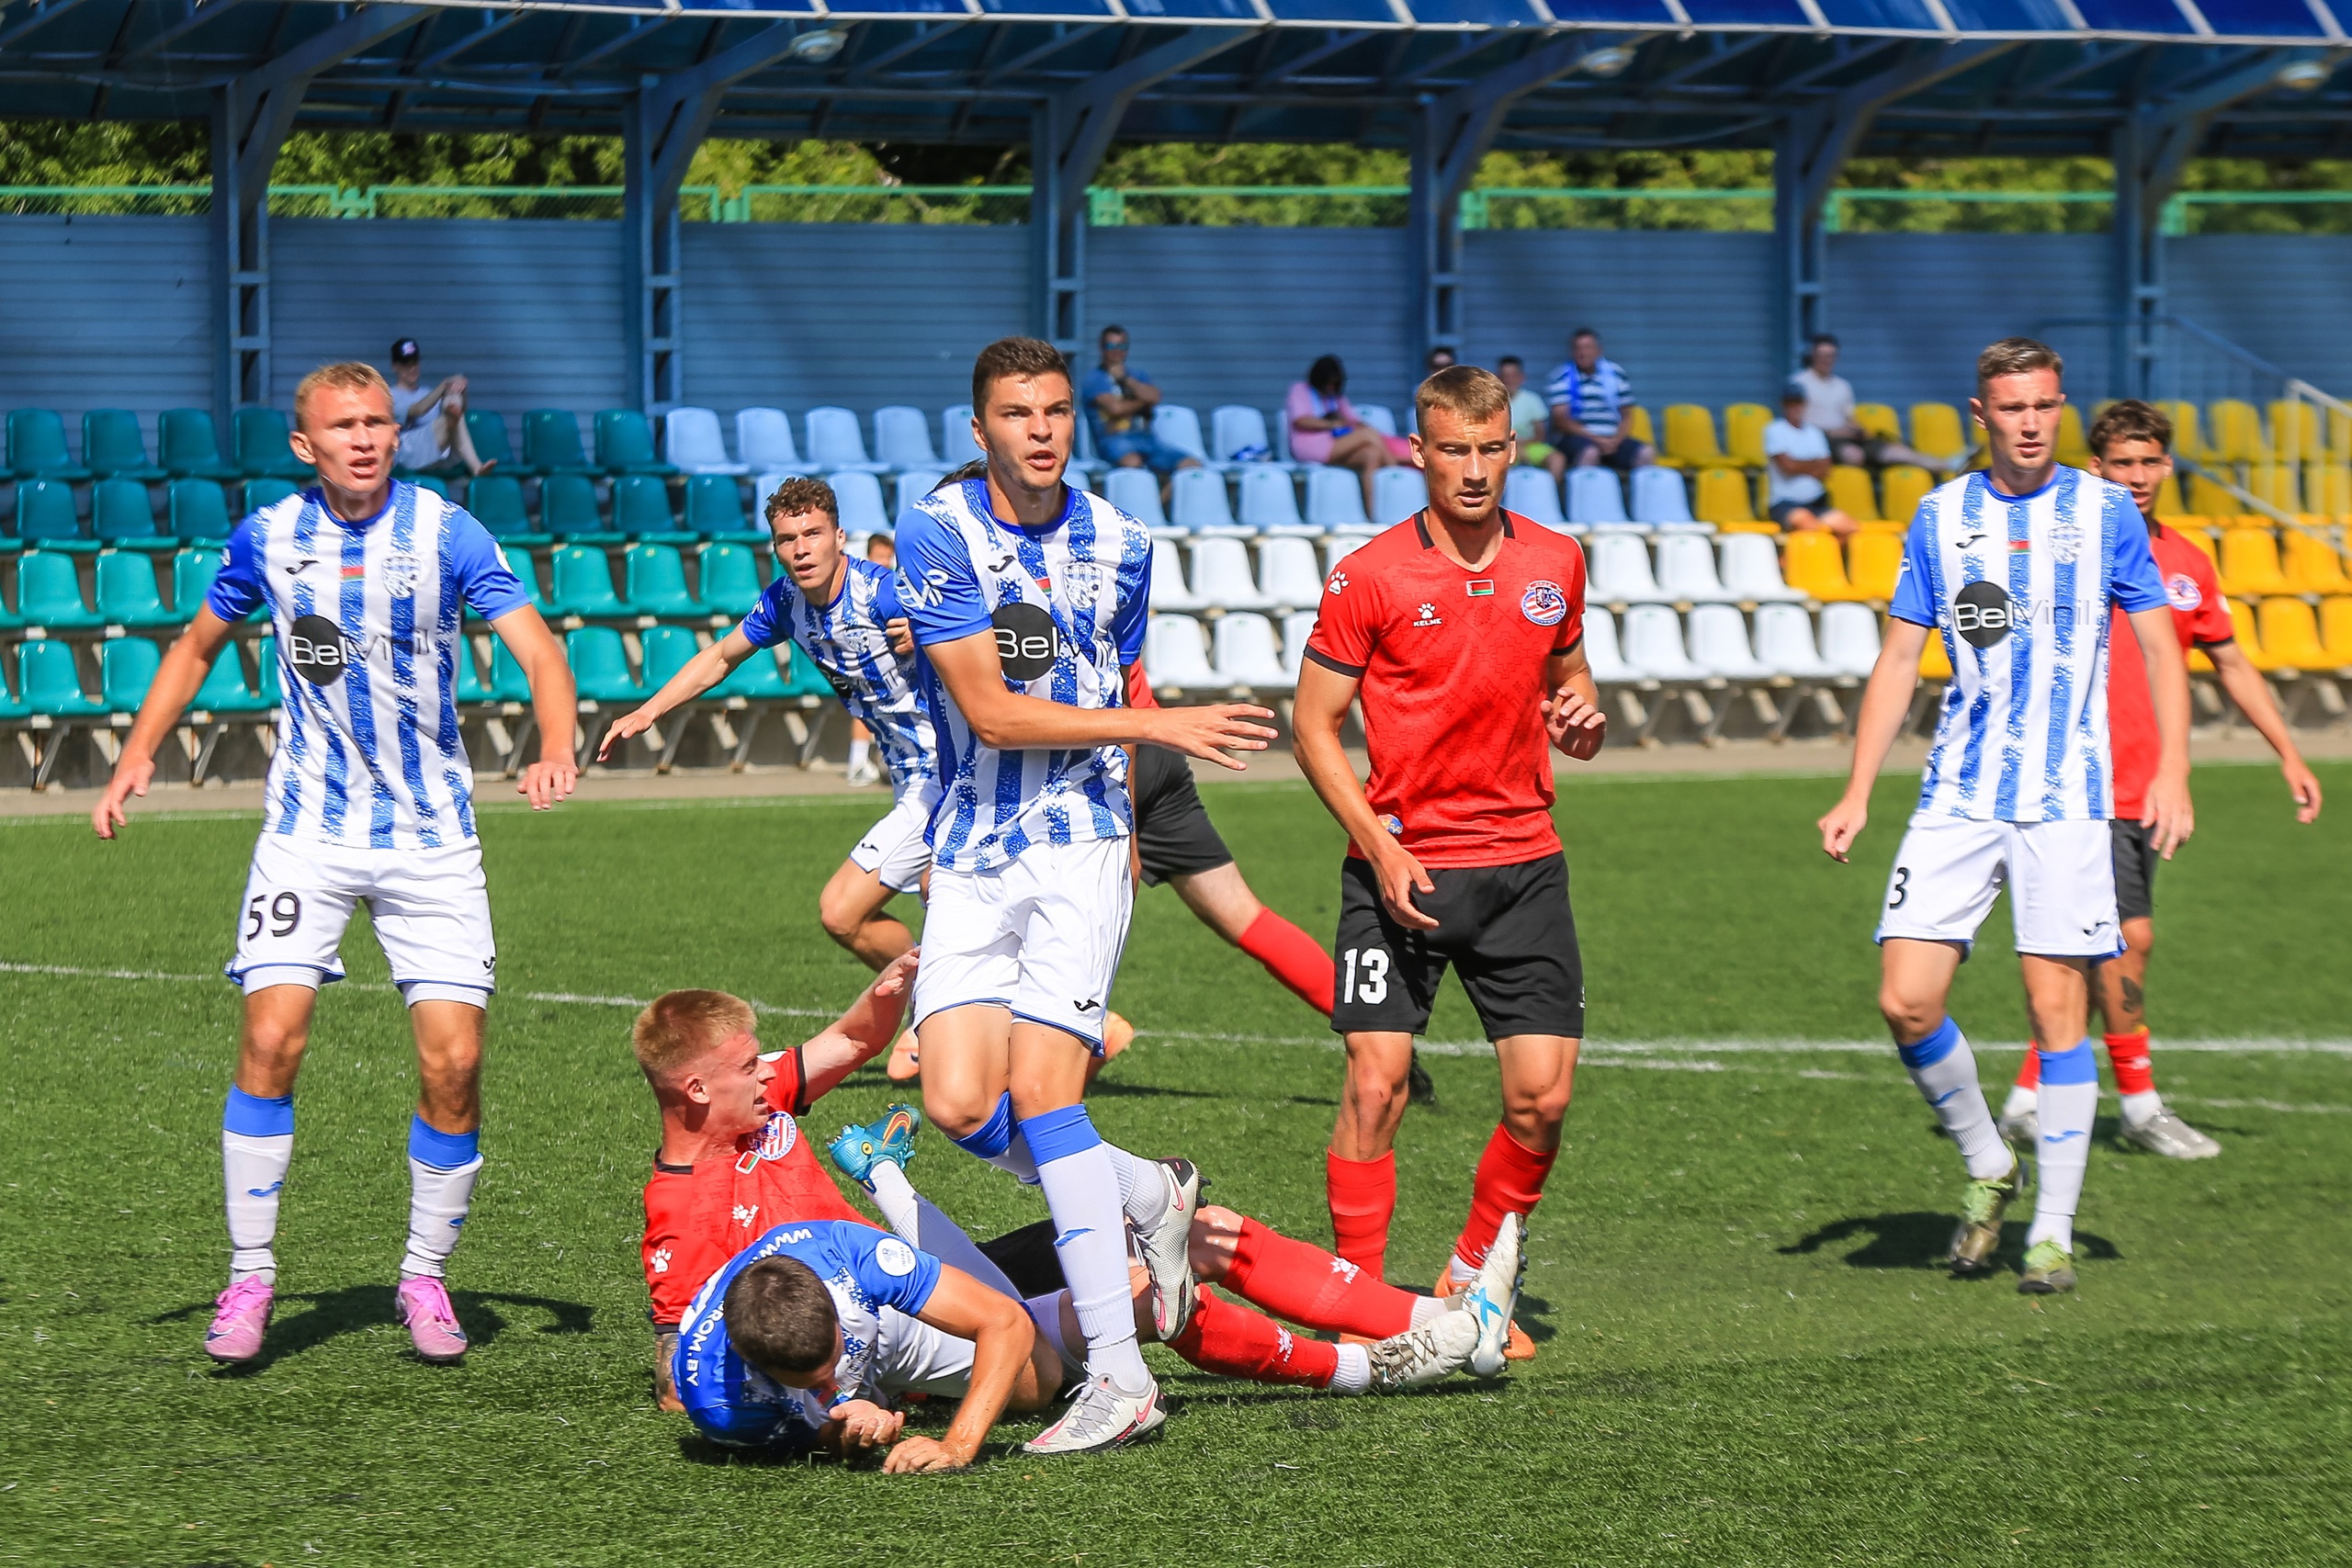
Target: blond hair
point(351, 375)
point(680, 1028)
point(2017, 356)
point(1474, 395)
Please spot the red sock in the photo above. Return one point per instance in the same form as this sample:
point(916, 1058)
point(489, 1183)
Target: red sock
point(1236, 1343)
point(1364, 1197)
point(1312, 1288)
point(2135, 1074)
point(2029, 1073)
point(1293, 957)
point(1509, 1181)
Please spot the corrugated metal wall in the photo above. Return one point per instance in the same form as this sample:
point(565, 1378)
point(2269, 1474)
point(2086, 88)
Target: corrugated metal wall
point(104, 312)
point(1911, 310)
point(2285, 296)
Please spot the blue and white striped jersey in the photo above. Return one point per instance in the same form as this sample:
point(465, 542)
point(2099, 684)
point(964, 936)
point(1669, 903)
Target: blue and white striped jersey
point(1067, 602)
point(2019, 587)
point(367, 615)
point(846, 642)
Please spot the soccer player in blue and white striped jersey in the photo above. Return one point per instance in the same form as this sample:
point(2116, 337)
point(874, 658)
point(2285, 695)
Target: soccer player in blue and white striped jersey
point(369, 799)
point(844, 614)
point(1028, 597)
point(2018, 569)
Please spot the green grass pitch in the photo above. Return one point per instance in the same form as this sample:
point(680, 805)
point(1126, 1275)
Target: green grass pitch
point(1747, 1354)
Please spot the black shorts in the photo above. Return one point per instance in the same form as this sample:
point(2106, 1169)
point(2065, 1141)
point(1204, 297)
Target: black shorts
point(1028, 1259)
point(1507, 928)
point(2135, 871)
point(1173, 834)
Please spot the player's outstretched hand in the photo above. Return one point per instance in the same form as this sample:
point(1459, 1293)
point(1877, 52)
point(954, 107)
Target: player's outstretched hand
point(627, 726)
point(901, 635)
point(2303, 785)
point(923, 1456)
point(1842, 826)
point(136, 773)
point(1213, 731)
point(2170, 819)
point(549, 780)
point(897, 977)
point(1400, 877)
point(1576, 727)
point(866, 1425)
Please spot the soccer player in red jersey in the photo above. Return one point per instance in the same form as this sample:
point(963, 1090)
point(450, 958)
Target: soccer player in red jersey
point(2132, 442)
point(1461, 630)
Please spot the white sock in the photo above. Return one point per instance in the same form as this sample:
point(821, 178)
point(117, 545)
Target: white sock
point(437, 1203)
point(1143, 1186)
point(2068, 1110)
point(895, 1196)
point(253, 1170)
point(1944, 1068)
point(2021, 1099)
point(1081, 1190)
point(2142, 1107)
point(1461, 1273)
point(857, 749)
point(1353, 1374)
point(945, 1239)
point(1428, 1309)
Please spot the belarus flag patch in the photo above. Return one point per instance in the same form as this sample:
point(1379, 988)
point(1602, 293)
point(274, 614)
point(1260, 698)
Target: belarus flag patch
point(354, 573)
point(1480, 588)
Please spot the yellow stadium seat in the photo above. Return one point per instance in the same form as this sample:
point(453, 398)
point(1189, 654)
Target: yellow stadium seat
point(2294, 430)
point(2198, 663)
point(2237, 432)
point(2276, 483)
point(1905, 486)
point(2255, 520)
point(1935, 664)
point(2250, 564)
point(2207, 499)
point(1938, 431)
point(2312, 566)
point(1691, 436)
point(2168, 497)
point(2339, 434)
point(2290, 636)
point(1878, 419)
point(1849, 493)
point(2335, 632)
point(2249, 637)
point(2327, 489)
point(1723, 496)
point(1638, 426)
point(1871, 562)
point(1744, 433)
point(2187, 440)
point(2074, 448)
point(2199, 531)
point(1810, 562)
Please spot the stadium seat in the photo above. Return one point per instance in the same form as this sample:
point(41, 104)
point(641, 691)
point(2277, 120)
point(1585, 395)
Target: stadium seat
point(192, 575)
point(112, 445)
point(1653, 645)
point(1136, 492)
point(2250, 564)
point(1169, 589)
point(496, 501)
point(1686, 570)
point(269, 492)
point(1751, 572)
point(49, 683)
point(1337, 547)
point(1849, 493)
point(2234, 434)
point(1938, 431)
point(583, 584)
point(2336, 631)
point(1849, 639)
point(2291, 637)
point(2280, 484)
point(625, 444)
point(1744, 433)
point(1621, 571)
point(1905, 486)
point(1335, 500)
point(600, 666)
point(127, 594)
point(37, 447)
point(957, 446)
point(1173, 655)
point(552, 443)
point(2312, 566)
point(1690, 437)
point(836, 442)
point(433, 482)
point(729, 580)
point(858, 493)
point(2294, 430)
point(803, 678)
point(2199, 532)
point(1268, 499)
point(1198, 500)
point(2207, 498)
point(1397, 494)
point(1287, 574)
point(913, 485)
point(1243, 653)
point(127, 666)
point(2328, 489)
point(763, 441)
point(757, 679)
point(655, 577)
point(2169, 502)
point(1660, 498)
point(1378, 416)
point(1934, 663)
point(188, 446)
point(1638, 428)
point(1594, 496)
point(46, 518)
point(264, 447)
point(568, 510)
point(1221, 575)
point(902, 438)
point(199, 512)
point(641, 507)
point(526, 573)
point(1878, 419)
point(122, 514)
point(690, 439)
point(225, 689)
point(1297, 627)
point(1609, 667)
point(1725, 497)
point(2249, 636)
point(715, 509)
point(1872, 563)
point(1238, 433)
point(1180, 427)
point(2187, 427)
point(2074, 448)
point(1529, 491)
point(1719, 644)
point(1811, 561)
point(491, 444)
point(666, 651)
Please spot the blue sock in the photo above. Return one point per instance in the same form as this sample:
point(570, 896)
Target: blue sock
point(1000, 1143)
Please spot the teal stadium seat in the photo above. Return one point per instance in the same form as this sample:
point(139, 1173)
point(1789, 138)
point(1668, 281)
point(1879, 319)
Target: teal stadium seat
point(568, 510)
point(471, 691)
point(46, 518)
point(123, 515)
point(641, 508)
point(552, 443)
point(600, 666)
point(805, 679)
point(656, 582)
point(667, 650)
point(433, 482)
point(493, 445)
point(224, 690)
point(112, 445)
point(189, 447)
point(584, 584)
point(496, 500)
point(715, 507)
point(526, 573)
point(49, 593)
point(268, 492)
point(507, 682)
point(756, 679)
point(126, 595)
point(37, 447)
point(127, 668)
point(50, 682)
point(731, 580)
point(625, 445)
point(273, 693)
point(265, 447)
point(200, 510)
point(192, 575)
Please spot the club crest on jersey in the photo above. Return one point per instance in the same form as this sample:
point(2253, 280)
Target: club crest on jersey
point(402, 572)
point(1544, 603)
point(2067, 541)
point(2182, 590)
point(776, 1142)
point(895, 1256)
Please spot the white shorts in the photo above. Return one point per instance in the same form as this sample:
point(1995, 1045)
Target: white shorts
point(915, 1358)
point(2061, 877)
point(1041, 937)
point(896, 848)
point(430, 907)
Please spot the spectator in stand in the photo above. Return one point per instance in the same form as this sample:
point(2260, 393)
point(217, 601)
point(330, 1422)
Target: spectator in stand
point(1118, 401)
point(433, 423)
point(1829, 408)
point(1590, 398)
point(1326, 428)
point(1798, 453)
point(1530, 419)
point(1439, 359)
point(883, 551)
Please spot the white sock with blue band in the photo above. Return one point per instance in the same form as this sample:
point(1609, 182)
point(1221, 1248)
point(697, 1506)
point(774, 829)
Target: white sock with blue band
point(1081, 1184)
point(2069, 1103)
point(1944, 1068)
point(999, 1142)
point(256, 1146)
point(441, 1171)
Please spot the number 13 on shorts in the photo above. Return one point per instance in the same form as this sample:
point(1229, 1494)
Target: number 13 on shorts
point(1363, 975)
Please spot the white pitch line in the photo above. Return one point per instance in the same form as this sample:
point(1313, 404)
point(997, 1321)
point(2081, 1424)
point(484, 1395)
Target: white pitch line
point(575, 999)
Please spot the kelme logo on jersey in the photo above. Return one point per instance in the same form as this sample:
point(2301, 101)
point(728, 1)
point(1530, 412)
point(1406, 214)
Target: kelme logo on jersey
point(1981, 613)
point(1026, 640)
point(318, 650)
point(1544, 603)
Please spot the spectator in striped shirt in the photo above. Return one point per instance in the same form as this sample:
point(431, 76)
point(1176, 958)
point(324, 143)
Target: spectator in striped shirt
point(1591, 399)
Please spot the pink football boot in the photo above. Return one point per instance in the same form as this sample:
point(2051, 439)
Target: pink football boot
point(432, 1320)
point(241, 1315)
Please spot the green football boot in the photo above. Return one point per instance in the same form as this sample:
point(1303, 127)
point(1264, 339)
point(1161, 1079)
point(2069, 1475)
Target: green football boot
point(1981, 1208)
point(2049, 1268)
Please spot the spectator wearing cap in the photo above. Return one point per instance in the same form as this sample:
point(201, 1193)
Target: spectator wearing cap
point(433, 423)
point(1530, 419)
point(1590, 398)
point(1797, 482)
point(1119, 398)
point(1829, 408)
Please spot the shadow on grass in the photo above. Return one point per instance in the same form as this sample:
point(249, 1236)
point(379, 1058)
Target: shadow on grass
point(359, 1309)
point(1922, 1241)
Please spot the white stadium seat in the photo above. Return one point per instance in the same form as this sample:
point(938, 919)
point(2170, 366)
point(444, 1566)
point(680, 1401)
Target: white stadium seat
point(1335, 499)
point(1397, 494)
point(1179, 427)
point(1849, 639)
point(1169, 589)
point(1784, 641)
point(957, 446)
point(1719, 644)
point(1246, 654)
point(690, 439)
point(1173, 654)
point(1136, 492)
point(902, 438)
point(1594, 496)
point(1654, 644)
point(1378, 416)
point(1337, 547)
point(1286, 573)
point(1297, 627)
point(914, 484)
point(1751, 572)
point(764, 440)
point(1235, 428)
point(1530, 493)
point(836, 442)
point(1621, 570)
point(859, 495)
point(1221, 575)
point(1268, 501)
point(1200, 501)
point(1609, 665)
point(1659, 496)
point(1686, 570)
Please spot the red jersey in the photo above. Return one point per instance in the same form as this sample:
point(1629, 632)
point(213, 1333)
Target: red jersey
point(1452, 664)
point(1139, 692)
point(2202, 616)
point(697, 1217)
